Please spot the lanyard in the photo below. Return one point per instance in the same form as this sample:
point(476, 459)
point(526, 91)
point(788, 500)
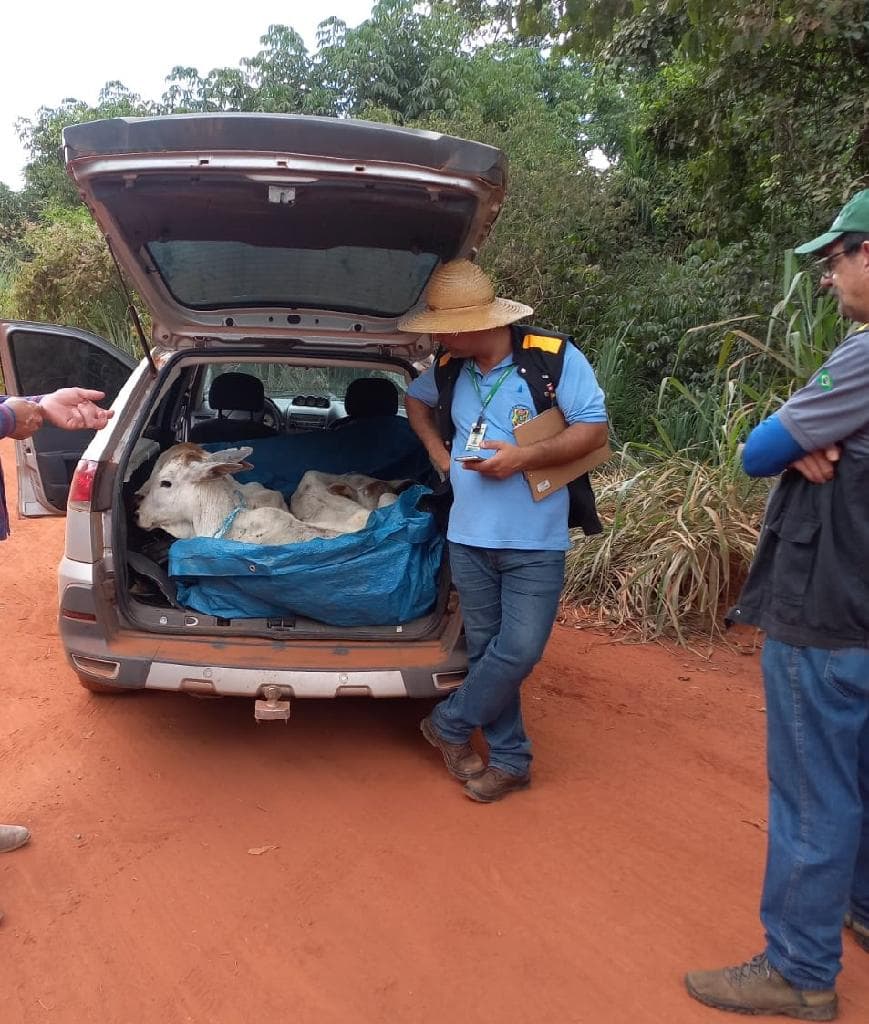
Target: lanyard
point(484, 402)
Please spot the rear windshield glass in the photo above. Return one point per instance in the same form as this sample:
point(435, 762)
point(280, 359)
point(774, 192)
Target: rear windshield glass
point(211, 275)
point(281, 380)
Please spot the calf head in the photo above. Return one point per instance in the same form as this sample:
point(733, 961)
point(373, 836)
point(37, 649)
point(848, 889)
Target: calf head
point(185, 480)
point(367, 491)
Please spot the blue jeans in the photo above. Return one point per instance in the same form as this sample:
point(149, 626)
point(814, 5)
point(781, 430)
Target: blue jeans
point(509, 600)
point(817, 704)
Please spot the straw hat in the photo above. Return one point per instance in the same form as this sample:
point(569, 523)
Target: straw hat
point(460, 298)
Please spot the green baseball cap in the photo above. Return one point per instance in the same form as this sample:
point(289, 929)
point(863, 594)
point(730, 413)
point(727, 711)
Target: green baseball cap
point(854, 216)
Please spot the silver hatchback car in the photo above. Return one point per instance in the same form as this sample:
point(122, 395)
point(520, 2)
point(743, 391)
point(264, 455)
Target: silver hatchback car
point(275, 255)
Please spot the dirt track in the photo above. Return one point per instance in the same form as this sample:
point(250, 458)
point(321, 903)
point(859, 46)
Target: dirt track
point(378, 892)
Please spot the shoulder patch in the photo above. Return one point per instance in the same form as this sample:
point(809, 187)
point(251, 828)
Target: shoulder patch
point(552, 345)
point(824, 380)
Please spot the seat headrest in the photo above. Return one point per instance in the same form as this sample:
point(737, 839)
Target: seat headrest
point(240, 391)
point(371, 396)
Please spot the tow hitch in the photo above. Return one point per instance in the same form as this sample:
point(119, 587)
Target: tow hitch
point(271, 707)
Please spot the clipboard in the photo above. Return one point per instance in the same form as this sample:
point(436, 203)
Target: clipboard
point(547, 480)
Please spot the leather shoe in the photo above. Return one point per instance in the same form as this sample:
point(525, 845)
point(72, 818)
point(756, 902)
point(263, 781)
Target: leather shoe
point(494, 784)
point(756, 987)
point(12, 836)
point(462, 761)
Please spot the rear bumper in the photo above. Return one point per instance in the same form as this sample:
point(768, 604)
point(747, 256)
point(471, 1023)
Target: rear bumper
point(243, 682)
point(244, 668)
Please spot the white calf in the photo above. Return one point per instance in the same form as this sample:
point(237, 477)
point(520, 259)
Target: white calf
point(191, 493)
point(342, 502)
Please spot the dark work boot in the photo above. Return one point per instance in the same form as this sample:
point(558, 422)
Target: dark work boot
point(494, 784)
point(462, 761)
point(756, 987)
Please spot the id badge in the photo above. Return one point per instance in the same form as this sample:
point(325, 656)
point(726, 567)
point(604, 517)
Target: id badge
point(475, 438)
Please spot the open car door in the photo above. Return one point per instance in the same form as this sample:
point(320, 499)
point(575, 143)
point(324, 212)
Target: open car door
point(37, 359)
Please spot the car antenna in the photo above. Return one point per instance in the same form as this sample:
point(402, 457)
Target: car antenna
point(131, 309)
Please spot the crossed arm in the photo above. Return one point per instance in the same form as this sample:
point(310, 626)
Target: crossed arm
point(770, 449)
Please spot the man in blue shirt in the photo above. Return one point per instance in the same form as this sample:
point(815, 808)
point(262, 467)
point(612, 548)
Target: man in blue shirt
point(506, 550)
point(808, 588)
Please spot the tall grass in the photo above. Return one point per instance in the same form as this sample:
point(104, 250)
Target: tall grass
point(801, 331)
point(679, 536)
point(118, 328)
point(618, 372)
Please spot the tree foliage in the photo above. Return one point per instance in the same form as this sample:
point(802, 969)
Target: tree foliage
point(69, 277)
point(753, 112)
point(730, 129)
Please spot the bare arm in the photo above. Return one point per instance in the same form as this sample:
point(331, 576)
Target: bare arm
point(422, 420)
point(75, 409)
point(575, 441)
point(70, 408)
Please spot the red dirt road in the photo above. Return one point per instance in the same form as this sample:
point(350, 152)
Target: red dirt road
point(380, 894)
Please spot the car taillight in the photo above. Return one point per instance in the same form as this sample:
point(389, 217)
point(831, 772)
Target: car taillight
point(82, 487)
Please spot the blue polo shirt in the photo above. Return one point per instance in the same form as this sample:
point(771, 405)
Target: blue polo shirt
point(501, 513)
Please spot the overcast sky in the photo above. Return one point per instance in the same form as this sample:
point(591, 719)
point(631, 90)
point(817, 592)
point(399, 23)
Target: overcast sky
point(53, 50)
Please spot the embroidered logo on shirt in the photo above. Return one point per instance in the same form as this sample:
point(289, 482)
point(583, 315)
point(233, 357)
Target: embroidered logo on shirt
point(519, 414)
point(824, 381)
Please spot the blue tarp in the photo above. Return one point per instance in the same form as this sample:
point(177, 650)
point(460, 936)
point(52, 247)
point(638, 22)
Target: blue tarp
point(384, 574)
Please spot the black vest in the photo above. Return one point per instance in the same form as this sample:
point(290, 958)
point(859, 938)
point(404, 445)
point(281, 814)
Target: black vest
point(539, 359)
point(809, 580)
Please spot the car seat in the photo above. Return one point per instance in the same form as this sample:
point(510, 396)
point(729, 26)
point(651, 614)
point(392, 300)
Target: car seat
point(234, 392)
point(368, 397)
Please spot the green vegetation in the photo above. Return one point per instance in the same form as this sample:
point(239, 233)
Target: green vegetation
point(730, 132)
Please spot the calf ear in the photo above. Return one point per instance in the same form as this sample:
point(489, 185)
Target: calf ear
point(344, 490)
point(225, 469)
point(225, 463)
point(231, 454)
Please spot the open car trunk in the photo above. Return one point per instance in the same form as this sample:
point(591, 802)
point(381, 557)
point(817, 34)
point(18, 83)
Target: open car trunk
point(317, 589)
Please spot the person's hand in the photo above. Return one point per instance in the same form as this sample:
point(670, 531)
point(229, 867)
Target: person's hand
point(75, 409)
point(442, 462)
point(819, 466)
point(506, 461)
point(28, 417)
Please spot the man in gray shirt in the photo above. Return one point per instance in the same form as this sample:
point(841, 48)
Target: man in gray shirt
point(808, 588)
